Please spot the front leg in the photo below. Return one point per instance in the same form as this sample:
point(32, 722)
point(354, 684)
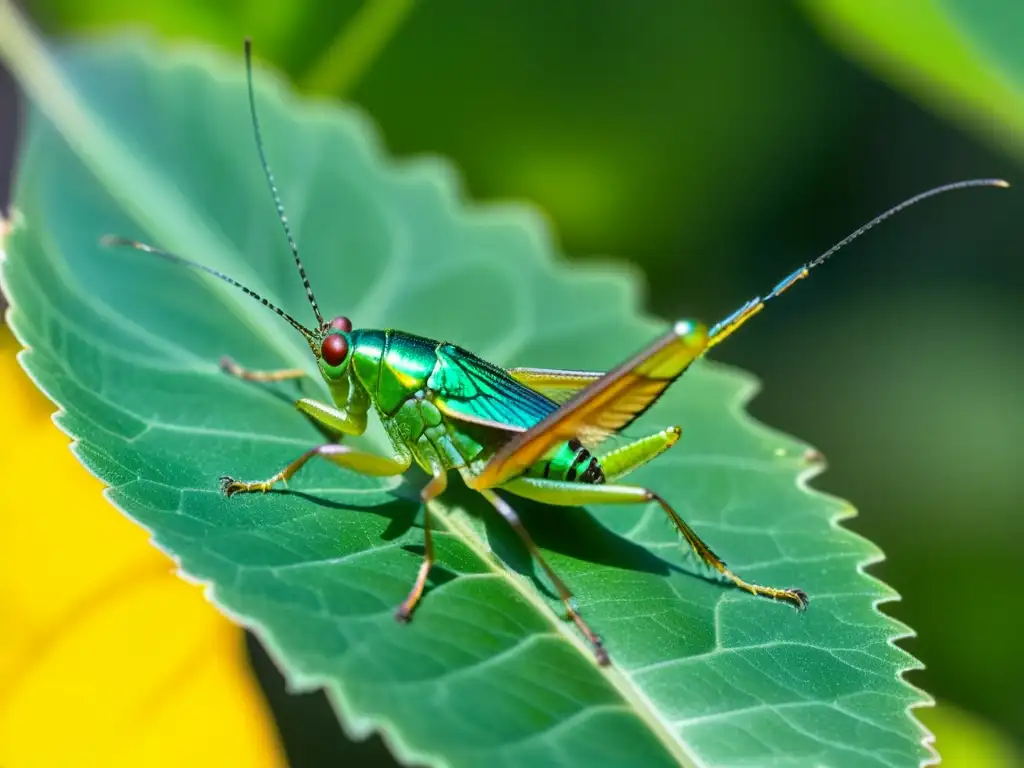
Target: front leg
point(336, 420)
point(332, 418)
point(342, 455)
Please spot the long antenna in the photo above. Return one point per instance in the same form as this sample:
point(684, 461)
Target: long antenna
point(113, 240)
point(727, 326)
point(273, 186)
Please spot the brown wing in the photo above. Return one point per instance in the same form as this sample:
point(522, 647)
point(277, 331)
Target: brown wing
point(607, 404)
point(559, 385)
point(553, 383)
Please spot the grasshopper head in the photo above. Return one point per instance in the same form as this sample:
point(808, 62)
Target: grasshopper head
point(329, 341)
point(335, 349)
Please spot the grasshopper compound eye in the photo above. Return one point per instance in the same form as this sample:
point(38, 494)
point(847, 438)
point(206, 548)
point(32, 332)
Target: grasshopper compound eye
point(341, 323)
point(334, 349)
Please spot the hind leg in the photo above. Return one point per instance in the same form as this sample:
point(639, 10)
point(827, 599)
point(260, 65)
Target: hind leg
point(575, 494)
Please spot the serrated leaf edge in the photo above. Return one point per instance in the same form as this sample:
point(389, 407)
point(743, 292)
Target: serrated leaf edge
point(900, 630)
point(532, 220)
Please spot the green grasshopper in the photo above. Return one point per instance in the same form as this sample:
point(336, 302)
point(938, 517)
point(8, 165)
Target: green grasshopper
point(528, 432)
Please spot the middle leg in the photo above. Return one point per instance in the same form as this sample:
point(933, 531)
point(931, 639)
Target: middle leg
point(430, 491)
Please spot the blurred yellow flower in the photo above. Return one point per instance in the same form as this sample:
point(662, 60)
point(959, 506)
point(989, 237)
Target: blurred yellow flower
point(106, 656)
point(966, 740)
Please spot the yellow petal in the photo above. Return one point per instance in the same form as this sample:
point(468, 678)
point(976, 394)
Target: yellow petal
point(106, 657)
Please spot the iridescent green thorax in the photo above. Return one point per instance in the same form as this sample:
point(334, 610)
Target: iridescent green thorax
point(393, 366)
point(450, 407)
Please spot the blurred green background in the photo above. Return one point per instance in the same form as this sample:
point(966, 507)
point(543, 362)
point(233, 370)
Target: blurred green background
point(717, 146)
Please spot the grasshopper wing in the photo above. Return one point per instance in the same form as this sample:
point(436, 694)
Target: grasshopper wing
point(470, 389)
point(608, 404)
point(554, 383)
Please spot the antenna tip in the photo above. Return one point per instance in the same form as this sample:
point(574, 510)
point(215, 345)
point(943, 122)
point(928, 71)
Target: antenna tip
point(1001, 183)
point(109, 240)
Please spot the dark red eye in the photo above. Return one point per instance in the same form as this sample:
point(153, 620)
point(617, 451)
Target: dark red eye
point(334, 349)
point(341, 324)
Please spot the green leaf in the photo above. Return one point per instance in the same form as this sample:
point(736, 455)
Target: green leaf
point(953, 55)
point(156, 145)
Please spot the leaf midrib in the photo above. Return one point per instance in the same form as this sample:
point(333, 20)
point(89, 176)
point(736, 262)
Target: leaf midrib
point(632, 696)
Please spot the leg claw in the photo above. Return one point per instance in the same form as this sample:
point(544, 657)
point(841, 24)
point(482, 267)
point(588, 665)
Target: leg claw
point(800, 598)
point(229, 486)
point(403, 614)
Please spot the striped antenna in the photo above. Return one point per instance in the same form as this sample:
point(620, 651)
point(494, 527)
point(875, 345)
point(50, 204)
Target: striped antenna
point(273, 186)
point(901, 207)
point(113, 240)
point(726, 327)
